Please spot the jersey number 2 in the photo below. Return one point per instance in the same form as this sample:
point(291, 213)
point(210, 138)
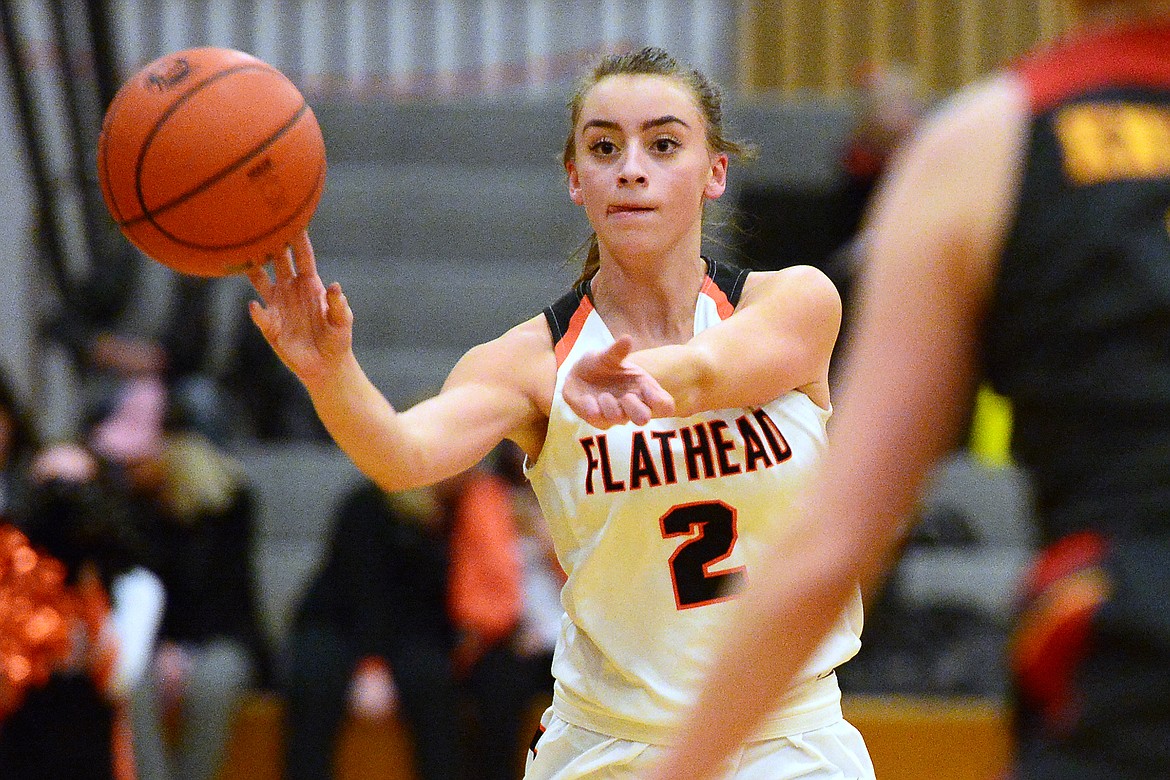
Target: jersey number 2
point(712, 526)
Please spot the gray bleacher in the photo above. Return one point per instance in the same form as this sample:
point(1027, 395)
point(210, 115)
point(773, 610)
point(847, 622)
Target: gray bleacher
point(449, 223)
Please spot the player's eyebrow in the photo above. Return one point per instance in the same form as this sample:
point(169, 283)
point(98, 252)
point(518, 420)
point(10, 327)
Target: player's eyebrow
point(649, 124)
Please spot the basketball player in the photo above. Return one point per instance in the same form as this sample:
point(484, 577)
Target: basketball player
point(1025, 234)
point(658, 525)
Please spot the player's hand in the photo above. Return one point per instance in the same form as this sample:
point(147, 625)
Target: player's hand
point(308, 325)
point(606, 389)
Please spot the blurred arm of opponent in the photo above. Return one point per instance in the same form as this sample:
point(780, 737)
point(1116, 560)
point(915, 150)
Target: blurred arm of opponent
point(933, 238)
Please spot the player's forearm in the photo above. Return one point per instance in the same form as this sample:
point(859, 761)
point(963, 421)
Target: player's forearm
point(681, 371)
point(364, 425)
point(700, 378)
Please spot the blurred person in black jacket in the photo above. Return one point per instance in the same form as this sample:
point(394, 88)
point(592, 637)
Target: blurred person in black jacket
point(18, 441)
point(372, 635)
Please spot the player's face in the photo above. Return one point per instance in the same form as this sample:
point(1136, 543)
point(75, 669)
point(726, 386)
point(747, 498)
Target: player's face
point(643, 168)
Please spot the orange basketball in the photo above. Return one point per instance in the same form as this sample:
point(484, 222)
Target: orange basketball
point(210, 160)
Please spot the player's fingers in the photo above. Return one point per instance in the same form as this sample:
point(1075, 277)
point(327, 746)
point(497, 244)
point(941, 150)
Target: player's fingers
point(261, 281)
point(587, 408)
point(282, 266)
point(660, 402)
point(262, 319)
point(594, 416)
point(302, 253)
point(637, 412)
point(337, 308)
point(618, 351)
point(611, 410)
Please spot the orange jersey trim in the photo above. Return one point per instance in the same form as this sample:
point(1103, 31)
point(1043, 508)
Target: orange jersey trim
point(565, 345)
point(715, 293)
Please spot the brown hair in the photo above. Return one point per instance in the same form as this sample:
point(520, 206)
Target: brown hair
point(650, 61)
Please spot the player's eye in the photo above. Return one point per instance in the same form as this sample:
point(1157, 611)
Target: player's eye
point(664, 145)
point(603, 147)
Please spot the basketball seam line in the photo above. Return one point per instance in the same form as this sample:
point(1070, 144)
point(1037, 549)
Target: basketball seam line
point(170, 111)
point(148, 214)
point(315, 192)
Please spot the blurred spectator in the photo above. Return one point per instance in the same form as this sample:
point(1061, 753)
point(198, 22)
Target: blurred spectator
point(889, 109)
point(440, 605)
point(505, 601)
point(86, 639)
point(818, 224)
point(371, 635)
point(18, 441)
point(196, 511)
point(216, 367)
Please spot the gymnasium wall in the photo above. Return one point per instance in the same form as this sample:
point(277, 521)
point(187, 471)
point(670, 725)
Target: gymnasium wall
point(794, 47)
point(432, 49)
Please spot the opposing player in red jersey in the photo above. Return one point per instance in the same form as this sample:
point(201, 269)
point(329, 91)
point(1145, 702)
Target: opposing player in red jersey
point(1024, 236)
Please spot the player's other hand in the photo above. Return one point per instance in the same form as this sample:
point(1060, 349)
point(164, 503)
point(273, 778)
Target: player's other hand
point(308, 325)
point(606, 389)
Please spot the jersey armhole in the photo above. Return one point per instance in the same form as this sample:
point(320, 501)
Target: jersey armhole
point(728, 278)
point(560, 313)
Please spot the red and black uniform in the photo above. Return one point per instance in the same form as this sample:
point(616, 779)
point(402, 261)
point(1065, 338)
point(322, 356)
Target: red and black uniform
point(1078, 336)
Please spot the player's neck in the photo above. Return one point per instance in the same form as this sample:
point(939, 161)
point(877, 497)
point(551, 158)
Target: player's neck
point(654, 308)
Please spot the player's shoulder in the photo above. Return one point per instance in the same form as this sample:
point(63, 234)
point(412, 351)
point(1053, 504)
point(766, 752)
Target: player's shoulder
point(526, 341)
point(521, 357)
point(803, 283)
point(799, 275)
point(960, 172)
point(519, 362)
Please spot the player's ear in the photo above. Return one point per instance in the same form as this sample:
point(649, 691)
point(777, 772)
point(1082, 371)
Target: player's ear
point(717, 182)
point(574, 183)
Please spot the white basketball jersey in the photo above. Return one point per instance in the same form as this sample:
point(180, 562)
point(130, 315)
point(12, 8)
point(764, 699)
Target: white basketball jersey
point(658, 527)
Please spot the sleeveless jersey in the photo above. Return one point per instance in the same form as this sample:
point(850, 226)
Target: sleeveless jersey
point(658, 527)
point(1079, 326)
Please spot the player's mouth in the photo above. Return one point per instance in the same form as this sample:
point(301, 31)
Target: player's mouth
point(628, 209)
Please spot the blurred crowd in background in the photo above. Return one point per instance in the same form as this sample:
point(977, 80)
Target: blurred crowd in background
point(131, 612)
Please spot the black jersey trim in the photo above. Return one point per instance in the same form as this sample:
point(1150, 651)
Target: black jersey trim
point(558, 314)
point(728, 278)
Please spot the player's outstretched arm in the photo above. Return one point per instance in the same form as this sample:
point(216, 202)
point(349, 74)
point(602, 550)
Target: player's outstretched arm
point(492, 393)
point(780, 338)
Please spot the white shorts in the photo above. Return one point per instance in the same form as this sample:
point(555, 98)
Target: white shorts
point(567, 752)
